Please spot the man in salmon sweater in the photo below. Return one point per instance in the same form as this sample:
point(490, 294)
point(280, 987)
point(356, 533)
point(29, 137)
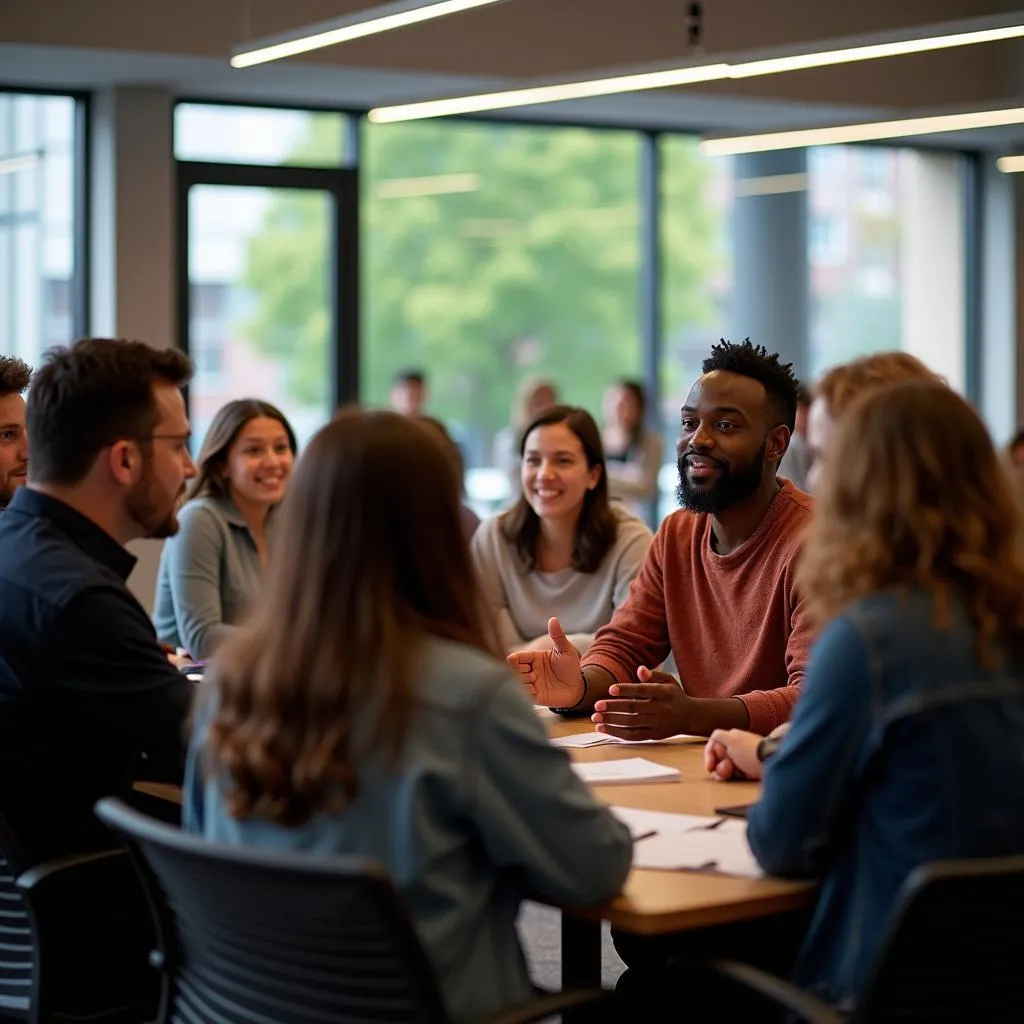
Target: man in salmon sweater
point(716, 590)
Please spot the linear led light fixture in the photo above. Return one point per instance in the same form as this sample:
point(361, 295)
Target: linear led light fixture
point(962, 33)
point(1010, 164)
point(352, 26)
point(23, 162)
point(874, 131)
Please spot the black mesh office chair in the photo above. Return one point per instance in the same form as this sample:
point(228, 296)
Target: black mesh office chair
point(249, 936)
point(74, 935)
point(951, 955)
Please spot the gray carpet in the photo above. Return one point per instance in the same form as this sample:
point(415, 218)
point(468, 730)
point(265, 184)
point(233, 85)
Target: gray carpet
point(540, 931)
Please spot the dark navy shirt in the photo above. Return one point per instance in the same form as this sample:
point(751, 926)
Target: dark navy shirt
point(84, 685)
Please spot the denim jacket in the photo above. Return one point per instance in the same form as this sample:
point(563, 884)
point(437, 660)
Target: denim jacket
point(902, 751)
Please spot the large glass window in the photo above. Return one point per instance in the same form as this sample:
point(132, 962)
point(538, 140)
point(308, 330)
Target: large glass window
point(37, 215)
point(886, 255)
point(493, 254)
point(696, 218)
point(259, 135)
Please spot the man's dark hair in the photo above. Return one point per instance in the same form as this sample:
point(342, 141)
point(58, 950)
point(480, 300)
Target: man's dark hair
point(780, 384)
point(15, 374)
point(88, 396)
point(410, 375)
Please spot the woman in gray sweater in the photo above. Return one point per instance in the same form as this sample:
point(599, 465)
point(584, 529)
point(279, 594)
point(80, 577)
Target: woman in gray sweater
point(365, 711)
point(211, 570)
point(563, 549)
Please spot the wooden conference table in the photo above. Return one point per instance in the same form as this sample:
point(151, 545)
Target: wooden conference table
point(661, 902)
point(652, 902)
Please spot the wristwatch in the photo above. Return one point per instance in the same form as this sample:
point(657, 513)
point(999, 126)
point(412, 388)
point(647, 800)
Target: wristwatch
point(572, 708)
point(767, 747)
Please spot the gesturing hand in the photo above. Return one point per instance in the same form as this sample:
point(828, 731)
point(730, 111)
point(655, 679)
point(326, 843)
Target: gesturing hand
point(652, 709)
point(551, 677)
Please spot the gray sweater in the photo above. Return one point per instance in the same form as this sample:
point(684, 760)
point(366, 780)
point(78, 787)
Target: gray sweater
point(209, 576)
point(481, 812)
point(523, 602)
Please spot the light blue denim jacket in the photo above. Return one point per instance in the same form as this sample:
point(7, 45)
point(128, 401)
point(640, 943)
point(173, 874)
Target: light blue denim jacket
point(902, 751)
point(481, 812)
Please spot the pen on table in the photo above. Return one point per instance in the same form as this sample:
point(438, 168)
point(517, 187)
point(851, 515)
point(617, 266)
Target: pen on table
point(644, 835)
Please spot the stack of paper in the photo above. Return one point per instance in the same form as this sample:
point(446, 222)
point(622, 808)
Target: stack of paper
point(628, 769)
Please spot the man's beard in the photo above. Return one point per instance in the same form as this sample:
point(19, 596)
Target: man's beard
point(8, 486)
point(143, 504)
point(733, 485)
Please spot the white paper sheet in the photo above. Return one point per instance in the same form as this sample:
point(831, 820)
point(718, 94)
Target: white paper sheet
point(582, 739)
point(723, 849)
point(644, 823)
point(597, 739)
point(626, 770)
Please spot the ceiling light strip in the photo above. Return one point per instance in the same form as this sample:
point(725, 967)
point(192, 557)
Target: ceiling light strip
point(355, 26)
point(691, 75)
point(875, 131)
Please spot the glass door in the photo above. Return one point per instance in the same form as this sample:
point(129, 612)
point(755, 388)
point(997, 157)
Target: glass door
point(268, 290)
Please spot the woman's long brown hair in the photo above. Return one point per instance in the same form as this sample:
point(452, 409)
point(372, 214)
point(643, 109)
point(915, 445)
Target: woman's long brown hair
point(370, 559)
point(913, 496)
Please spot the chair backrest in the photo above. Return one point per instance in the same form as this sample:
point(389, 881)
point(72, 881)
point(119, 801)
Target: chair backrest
point(953, 948)
point(254, 936)
point(18, 974)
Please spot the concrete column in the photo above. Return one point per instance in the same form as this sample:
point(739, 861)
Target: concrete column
point(932, 281)
point(133, 238)
point(770, 303)
point(1002, 278)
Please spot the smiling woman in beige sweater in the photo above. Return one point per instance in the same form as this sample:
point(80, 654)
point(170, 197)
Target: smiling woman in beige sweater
point(563, 549)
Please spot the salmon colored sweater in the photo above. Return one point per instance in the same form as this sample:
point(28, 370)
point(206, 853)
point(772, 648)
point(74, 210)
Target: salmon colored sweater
point(733, 622)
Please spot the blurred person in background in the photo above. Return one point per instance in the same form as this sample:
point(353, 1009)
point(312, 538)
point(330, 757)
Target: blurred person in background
point(737, 753)
point(533, 396)
point(365, 711)
point(632, 451)
point(409, 392)
point(563, 549)
point(14, 379)
point(470, 520)
point(914, 698)
point(212, 571)
point(796, 461)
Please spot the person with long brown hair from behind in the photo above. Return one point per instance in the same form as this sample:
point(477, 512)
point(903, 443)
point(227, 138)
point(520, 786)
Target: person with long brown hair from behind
point(914, 698)
point(364, 710)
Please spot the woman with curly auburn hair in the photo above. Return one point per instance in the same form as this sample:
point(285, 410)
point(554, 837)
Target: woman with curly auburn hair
point(363, 710)
point(914, 697)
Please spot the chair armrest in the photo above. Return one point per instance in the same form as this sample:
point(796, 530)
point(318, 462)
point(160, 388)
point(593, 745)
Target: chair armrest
point(548, 1004)
point(807, 1007)
point(82, 864)
point(94, 930)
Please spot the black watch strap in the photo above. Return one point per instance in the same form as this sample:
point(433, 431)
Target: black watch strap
point(574, 709)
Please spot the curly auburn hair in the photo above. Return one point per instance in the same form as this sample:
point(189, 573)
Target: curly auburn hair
point(913, 497)
point(841, 385)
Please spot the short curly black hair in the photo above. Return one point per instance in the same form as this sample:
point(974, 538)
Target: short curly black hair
point(749, 360)
point(15, 375)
